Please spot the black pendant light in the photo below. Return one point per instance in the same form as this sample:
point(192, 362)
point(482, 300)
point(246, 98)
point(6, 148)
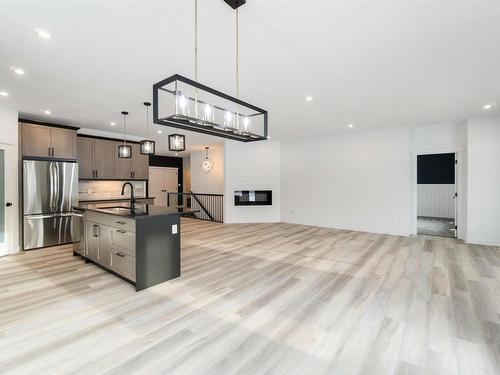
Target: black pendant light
point(176, 142)
point(125, 150)
point(147, 146)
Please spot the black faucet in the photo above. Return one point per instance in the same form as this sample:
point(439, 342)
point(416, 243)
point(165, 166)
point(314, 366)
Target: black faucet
point(132, 198)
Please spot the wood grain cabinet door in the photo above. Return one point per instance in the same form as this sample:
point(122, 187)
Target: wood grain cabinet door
point(63, 143)
point(123, 167)
point(105, 246)
point(140, 163)
point(35, 140)
point(104, 158)
point(92, 241)
point(85, 152)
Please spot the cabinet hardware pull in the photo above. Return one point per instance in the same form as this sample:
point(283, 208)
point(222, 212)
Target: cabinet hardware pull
point(49, 152)
point(95, 229)
point(121, 255)
point(121, 222)
point(121, 231)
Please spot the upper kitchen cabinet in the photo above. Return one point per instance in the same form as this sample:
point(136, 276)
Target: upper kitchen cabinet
point(48, 142)
point(123, 166)
point(63, 142)
point(140, 163)
point(95, 158)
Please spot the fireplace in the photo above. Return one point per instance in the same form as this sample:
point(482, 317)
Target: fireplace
point(253, 198)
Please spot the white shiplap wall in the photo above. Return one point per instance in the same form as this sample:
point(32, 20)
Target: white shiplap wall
point(436, 200)
point(251, 166)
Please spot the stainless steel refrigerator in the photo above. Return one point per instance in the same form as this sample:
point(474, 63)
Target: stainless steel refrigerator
point(50, 189)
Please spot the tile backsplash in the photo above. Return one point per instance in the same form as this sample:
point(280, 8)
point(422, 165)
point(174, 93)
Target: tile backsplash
point(103, 190)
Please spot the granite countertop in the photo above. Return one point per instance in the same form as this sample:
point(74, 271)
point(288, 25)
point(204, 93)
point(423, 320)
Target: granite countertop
point(142, 211)
point(86, 200)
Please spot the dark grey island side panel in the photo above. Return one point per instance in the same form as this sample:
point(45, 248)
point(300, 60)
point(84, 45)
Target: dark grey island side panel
point(158, 256)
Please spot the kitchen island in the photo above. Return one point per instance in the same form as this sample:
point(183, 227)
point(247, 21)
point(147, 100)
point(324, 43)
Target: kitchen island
point(140, 245)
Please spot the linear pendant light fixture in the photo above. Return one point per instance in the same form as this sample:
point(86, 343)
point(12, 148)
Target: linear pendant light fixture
point(186, 104)
point(147, 146)
point(125, 150)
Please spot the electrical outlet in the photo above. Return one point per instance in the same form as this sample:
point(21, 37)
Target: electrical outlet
point(174, 229)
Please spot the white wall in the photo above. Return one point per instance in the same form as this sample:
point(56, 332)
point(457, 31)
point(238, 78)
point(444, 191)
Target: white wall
point(358, 181)
point(436, 200)
point(212, 182)
point(483, 180)
point(251, 166)
point(9, 135)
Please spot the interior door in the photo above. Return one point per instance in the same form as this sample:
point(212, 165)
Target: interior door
point(161, 181)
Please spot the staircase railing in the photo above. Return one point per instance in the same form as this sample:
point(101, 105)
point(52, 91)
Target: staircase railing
point(208, 206)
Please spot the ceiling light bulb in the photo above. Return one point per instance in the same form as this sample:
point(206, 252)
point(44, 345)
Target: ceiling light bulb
point(488, 106)
point(47, 112)
point(350, 125)
point(112, 123)
point(159, 132)
point(208, 109)
point(309, 98)
point(42, 33)
point(246, 123)
point(18, 71)
point(3, 93)
point(177, 143)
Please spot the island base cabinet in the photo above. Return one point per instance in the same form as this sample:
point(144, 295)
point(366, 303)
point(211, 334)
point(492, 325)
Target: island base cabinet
point(143, 251)
point(123, 264)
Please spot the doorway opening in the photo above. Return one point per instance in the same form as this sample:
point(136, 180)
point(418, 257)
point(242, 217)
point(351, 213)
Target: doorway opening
point(437, 195)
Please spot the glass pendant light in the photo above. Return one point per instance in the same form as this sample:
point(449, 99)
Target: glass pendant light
point(207, 164)
point(124, 150)
point(147, 146)
point(176, 142)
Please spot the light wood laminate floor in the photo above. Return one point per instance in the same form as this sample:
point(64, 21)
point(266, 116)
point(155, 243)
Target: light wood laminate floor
point(260, 299)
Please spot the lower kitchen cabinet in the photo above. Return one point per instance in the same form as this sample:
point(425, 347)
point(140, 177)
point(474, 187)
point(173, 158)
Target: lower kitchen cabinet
point(112, 247)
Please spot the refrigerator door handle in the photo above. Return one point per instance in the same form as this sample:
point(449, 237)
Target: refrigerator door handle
point(49, 216)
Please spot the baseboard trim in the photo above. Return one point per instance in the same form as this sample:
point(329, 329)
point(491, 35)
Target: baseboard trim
point(480, 241)
point(355, 229)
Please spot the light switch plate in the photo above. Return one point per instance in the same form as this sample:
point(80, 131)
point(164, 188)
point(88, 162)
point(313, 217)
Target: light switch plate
point(174, 229)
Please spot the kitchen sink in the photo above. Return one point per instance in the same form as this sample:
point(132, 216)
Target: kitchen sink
point(116, 208)
point(123, 210)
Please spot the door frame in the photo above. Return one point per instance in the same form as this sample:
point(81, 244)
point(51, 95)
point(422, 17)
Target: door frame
point(11, 244)
point(459, 188)
point(162, 169)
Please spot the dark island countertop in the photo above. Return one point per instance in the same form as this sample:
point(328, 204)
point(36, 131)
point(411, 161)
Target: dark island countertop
point(141, 211)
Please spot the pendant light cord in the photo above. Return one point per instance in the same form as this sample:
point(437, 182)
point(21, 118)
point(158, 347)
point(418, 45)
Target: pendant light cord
point(237, 57)
point(196, 40)
point(147, 122)
point(124, 129)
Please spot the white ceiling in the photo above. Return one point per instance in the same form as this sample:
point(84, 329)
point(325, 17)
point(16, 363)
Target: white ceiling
point(374, 64)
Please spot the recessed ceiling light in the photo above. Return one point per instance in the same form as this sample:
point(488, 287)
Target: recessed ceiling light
point(159, 131)
point(176, 154)
point(309, 98)
point(4, 93)
point(112, 123)
point(350, 126)
point(487, 106)
point(18, 71)
point(43, 34)
point(47, 111)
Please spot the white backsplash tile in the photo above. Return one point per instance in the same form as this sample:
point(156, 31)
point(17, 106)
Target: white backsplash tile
point(103, 190)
